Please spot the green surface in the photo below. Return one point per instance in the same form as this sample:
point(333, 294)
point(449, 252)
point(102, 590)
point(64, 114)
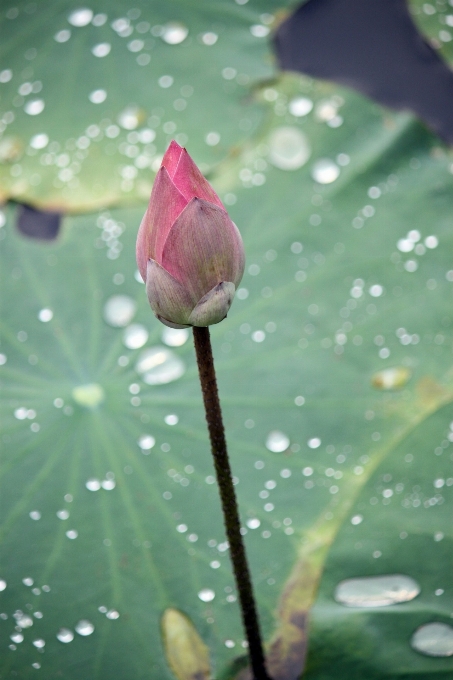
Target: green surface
point(322, 338)
point(435, 20)
point(96, 155)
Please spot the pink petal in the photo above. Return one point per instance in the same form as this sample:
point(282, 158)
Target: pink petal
point(204, 248)
point(191, 182)
point(171, 157)
point(165, 204)
point(167, 297)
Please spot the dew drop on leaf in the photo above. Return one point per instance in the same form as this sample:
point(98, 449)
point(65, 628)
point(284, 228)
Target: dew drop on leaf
point(325, 171)
point(65, 635)
point(277, 441)
point(391, 378)
point(135, 336)
point(433, 639)
point(376, 591)
point(206, 595)
point(289, 148)
point(159, 365)
point(119, 310)
point(84, 627)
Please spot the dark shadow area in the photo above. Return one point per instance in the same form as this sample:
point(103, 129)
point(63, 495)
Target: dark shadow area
point(374, 47)
point(38, 224)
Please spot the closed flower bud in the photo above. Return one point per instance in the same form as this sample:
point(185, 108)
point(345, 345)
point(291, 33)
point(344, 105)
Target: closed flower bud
point(189, 253)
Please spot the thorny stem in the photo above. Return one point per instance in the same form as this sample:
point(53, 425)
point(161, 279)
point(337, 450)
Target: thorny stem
point(228, 497)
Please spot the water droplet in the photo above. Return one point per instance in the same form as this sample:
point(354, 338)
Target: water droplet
point(97, 96)
point(80, 17)
point(45, 315)
point(325, 171)
point(90, 395)
point(119, 310)
point(35, 514)
point(314, 443)
point(357, 519)
point(206, 595)
point(84, 627)
point(376, 591)
point(289, 148)
point(391, 378)
point(433, 639)
point(431, 241)
point(135, 336)
point(376, 290)
point(65, 635)
point(209, 38)
point(72, 534)
point(259, 31)
point(39, 141)
point(3, 585)
point(174, 33)
point(62, 514)
point(300, 106)
point(40, 643)
point(131, 117)
point(27, 581)
point(34, 107)
point(146, 442)
point(159, 365)
point(62, 36)
point(17, 638)
point(93, 484)
point(24, 621)
point(112, 614)
point(101, 50)
point(253, 523)
point(171, 419)
point(277, 441)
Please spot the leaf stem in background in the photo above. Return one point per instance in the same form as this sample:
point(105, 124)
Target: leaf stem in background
point(228, 497)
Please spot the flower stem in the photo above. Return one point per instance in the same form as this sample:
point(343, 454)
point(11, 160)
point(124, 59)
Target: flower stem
point(228, 497)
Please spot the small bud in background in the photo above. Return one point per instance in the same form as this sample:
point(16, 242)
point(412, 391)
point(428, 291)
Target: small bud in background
point(189, 253)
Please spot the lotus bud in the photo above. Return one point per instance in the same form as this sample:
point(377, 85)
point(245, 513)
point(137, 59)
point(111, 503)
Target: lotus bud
point(189, 253)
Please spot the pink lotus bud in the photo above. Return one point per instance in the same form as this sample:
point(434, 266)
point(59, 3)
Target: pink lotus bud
point(189, 253)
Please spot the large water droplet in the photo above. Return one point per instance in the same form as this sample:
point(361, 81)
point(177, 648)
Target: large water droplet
point(40, 643)
point(433, 639)
point(84, 627)
point(325, 171)
point(90, 395)
point(277, 441)
point(119, 310)
point(174, 33)
point(288, 148)
point(175, 337)
point(146, 442)
point(135, 336)
point(206, 595)
point(159, 365)
point(80, 17)
point(65, 635)
point(34, 107)
point(376, 591)
point(391, 378)
point(3, 585)
point(300, 106)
